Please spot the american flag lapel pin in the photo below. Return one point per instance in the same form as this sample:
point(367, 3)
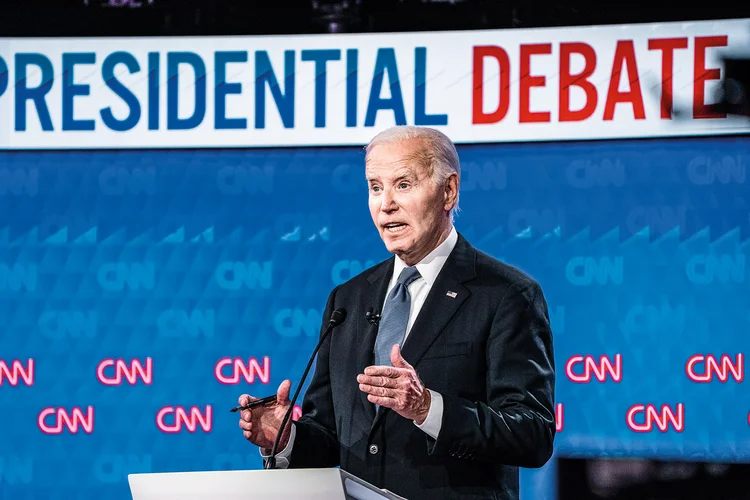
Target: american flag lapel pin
point(451, 294)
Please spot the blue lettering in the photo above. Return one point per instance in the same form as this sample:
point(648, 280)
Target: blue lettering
point(386, 61)
point(292, 322)
point(174, 59)
point(351, 87)
point(705, 269)
point(221, 59)
point(116, 276)
point(35, 94)
point(58, 325)
point(345, 270)
point(583, 271)
point(321, 58)
point(3, 76)
point(251, 275)
point(70, 90)
point(153, 91)
point(284, 101)
point(488, 176)
point(420, 92)
point(18, 277)
point(108, 73)
point(174, 323)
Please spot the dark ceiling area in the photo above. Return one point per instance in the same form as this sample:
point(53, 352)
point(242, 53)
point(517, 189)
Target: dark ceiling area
point(55, 18)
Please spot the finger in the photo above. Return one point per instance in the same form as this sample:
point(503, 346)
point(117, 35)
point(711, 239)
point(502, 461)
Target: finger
point(383, 371)
point(379, 400)
point(377, 391)
point(246, 415)
point(282, 394)
point(397, 359)
point(246, 426)
point(247, 434)
point(378, 381)
point(244, 400)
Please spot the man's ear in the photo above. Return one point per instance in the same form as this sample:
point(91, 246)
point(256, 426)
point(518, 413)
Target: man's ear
point(450, 192)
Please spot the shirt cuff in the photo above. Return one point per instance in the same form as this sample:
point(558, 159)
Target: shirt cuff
point(434, 419)
point(283, 456)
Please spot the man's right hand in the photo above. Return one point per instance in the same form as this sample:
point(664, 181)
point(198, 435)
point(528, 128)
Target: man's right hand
point(261, 424)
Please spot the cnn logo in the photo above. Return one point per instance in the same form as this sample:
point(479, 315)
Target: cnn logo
point(662, 419)
point(56, 420)
point(700, 368)
point(17, 372)
point(175, 419)
point(130, 372)
point(600, 369)
point(240, 369)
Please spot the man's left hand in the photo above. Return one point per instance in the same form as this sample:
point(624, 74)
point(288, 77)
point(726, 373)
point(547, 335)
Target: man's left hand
point(396, 387)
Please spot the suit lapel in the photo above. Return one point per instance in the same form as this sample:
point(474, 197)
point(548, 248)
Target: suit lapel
point(445, 297)
point(373, 298)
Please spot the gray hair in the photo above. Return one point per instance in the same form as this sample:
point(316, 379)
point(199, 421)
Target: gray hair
point(439, 153)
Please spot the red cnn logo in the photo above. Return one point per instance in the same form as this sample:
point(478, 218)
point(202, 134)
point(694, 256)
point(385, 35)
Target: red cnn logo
point(598, 368)
point(711, 366)
point(559, 417)
point(16, 371)
point(662, 420)
point(181, 418)
point(130, 373)
point(63, 418)
point(248, 370)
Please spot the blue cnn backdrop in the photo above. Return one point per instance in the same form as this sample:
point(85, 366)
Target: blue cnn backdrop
point(211, 268)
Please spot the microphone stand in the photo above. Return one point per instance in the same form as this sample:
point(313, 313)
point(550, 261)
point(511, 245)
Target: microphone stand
point(337, 318)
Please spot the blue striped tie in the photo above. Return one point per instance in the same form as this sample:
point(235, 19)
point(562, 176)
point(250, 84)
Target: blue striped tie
point(395, 317)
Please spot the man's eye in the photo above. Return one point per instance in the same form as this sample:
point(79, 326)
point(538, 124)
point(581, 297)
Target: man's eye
point(375, 188)
point(403, 185)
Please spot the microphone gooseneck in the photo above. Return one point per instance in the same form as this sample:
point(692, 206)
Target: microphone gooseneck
point(337, 317)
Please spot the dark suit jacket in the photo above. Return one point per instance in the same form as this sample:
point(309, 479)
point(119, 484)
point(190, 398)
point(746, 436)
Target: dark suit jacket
point(488, 351)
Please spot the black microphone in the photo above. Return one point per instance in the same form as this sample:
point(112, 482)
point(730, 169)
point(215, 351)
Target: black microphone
point(337, 317)
point(372, 318)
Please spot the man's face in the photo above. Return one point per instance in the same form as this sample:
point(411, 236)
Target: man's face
point(407, 207)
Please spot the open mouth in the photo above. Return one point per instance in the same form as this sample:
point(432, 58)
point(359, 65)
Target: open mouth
point(395, 227)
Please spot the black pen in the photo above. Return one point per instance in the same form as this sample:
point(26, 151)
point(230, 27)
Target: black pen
point(257, 402)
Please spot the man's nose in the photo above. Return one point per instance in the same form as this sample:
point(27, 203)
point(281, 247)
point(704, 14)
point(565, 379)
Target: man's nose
point(387, 203)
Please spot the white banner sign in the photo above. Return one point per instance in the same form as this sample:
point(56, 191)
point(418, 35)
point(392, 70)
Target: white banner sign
point(477, 86)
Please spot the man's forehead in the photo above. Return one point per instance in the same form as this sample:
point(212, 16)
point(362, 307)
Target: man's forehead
point(392, 170)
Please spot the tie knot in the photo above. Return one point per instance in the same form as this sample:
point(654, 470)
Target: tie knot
point(408, 275)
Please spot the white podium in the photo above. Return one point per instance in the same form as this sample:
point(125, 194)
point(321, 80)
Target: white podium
point(276, 484)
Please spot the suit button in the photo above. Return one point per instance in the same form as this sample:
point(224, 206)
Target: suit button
point(373, 449)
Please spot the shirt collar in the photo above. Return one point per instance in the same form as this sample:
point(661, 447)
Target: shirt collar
point(430, 266)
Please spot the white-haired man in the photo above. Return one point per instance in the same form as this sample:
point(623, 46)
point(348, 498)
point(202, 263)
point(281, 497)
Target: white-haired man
point(453, 389)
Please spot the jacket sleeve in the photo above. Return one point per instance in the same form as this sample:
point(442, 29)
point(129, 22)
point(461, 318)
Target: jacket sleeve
point(516, 424)
point(316, 444)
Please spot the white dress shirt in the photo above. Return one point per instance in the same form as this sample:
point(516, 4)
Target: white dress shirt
point(428, 268)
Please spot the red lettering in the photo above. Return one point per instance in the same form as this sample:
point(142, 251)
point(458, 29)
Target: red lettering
point(525, 115)
point(624, 55)
point(478, 114)
point(667, 47)
point(580, 80)
point(701, 75)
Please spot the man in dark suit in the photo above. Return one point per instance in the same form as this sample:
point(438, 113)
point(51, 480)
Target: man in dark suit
point(451, 388)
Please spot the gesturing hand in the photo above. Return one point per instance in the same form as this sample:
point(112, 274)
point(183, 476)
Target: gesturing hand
point(261, 424)
point(396, 387)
